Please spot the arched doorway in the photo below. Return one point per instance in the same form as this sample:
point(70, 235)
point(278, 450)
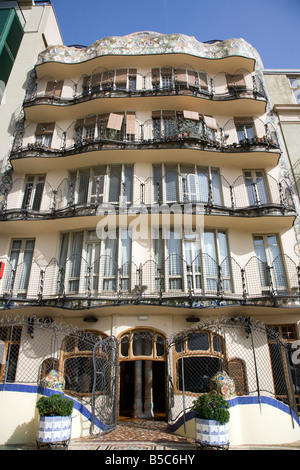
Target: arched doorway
point(142, 375)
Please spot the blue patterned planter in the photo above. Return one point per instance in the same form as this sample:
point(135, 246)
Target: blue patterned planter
point(54, 429)
point(211, 433)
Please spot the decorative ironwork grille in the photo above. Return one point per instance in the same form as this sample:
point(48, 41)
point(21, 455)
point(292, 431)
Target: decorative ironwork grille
point(252, 353)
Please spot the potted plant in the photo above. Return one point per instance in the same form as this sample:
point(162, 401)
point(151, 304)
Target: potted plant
point(212, 417)
point(54, 419)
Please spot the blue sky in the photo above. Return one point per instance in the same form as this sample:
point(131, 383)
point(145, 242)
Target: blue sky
point(271, 26)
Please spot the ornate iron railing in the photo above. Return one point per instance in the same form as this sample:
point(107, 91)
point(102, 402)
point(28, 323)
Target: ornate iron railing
point(252, 353)
point(230, 346)
point(174, 281)
point(151, 86)
point(176, 133)
point(23, 199)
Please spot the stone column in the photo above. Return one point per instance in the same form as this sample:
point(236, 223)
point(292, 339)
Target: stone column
point(138, 381)
point(148, 405)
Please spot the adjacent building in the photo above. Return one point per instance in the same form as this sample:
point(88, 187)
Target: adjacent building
point(146, 203)
point(26, 28)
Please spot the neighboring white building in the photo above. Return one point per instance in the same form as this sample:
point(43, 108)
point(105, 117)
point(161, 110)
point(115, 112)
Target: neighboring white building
point(27, 28)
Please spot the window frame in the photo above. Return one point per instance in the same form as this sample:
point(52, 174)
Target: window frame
point(77, 353)
point(185, 352)
point(295, 89)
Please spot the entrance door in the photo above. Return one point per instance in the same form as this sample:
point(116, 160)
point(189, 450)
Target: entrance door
point(142, 383)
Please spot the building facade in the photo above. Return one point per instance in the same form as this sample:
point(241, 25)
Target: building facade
point(147, 204)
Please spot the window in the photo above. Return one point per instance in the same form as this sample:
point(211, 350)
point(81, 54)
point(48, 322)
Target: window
point(164, 124)
point(118, 80)
point(270, 262)
point(90, 264)
point(166, 78)
point(186, 183)
point(295, 86)
point(117, 253)
point(182, 261)
point(44, 134)
point(204, 175)
point(235, 83)
point(113, 126)
point(21, 254)
point(192, 256)
point(54, 88)
point(70, 260)
point(77, 363)
point(215, 253)
point(10, 340)
point(142, 343)
point(33, 192)
point(192, 124)
point(125, 79)
point(113, 184)
point(174, 259)
point(256, 187)
point(120, 184)
point(198, 357)
point(245, 130)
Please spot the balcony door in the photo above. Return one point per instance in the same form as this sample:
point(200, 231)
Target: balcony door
point(33, 192)
point(20, 259)
point(256, 187)
point(270, 262)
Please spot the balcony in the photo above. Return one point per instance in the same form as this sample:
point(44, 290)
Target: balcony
point(88, 191)
point(217, 94)
point(201, 282)
point(167, 130)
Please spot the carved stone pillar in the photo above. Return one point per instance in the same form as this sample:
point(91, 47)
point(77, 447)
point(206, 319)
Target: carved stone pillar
point(138, 398)
point(148, 405)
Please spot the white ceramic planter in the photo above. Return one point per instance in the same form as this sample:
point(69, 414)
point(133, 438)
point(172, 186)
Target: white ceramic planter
point(211, 433)
point(54, 429)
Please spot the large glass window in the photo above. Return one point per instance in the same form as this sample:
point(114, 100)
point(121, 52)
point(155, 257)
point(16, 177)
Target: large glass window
point(270, 262)
point(44, 134)
point(189, 266)
point(21, 255)
point(112, 183)
point(90, 264)
point(186, 183)
point(199, 356)
point(77, 363)
point(256, 187)
point(33, 192)
point(215, 252)
point(245, 130)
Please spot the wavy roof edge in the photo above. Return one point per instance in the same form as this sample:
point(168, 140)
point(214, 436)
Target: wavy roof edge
point(147, 43)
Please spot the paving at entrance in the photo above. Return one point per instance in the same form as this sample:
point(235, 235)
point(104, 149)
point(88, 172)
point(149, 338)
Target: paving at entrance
point(136, 435)
point(152, 435)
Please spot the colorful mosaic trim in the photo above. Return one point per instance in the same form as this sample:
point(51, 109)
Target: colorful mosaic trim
point(243, 400)
point(22, 388)
point(147, 43)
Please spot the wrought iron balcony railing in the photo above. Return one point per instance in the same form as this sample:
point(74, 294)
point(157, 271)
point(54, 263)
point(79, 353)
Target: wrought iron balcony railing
point(174, 279)
point(89, 190)
point(174, 82)
point(174, 132)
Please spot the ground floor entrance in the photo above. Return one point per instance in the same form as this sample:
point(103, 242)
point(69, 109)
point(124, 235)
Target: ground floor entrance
point(142, 390)
point(142, 374)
